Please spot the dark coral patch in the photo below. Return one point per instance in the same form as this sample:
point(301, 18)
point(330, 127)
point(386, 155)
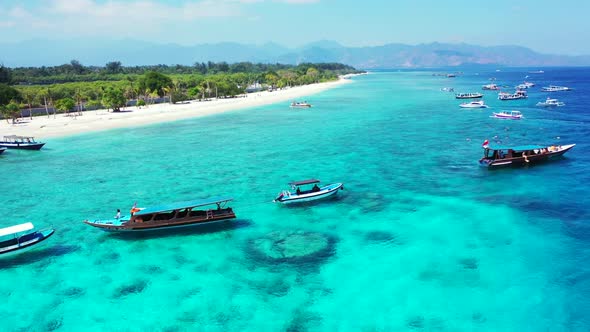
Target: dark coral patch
point(292, 247)
point(136, 287)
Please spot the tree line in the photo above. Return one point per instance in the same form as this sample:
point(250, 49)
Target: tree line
point(74, 87)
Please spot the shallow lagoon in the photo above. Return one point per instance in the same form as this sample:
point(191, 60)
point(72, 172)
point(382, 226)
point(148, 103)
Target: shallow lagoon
point(422, 238)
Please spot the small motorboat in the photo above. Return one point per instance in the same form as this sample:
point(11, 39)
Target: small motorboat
point(474, 104)
point(19, 238)
point(512, 115)
point(299, 104)
point(296, 195)
point(21, 142)
point(550, 102)
point(468, 95)
point(447, 89)
point(555, 88)
point(498, 156)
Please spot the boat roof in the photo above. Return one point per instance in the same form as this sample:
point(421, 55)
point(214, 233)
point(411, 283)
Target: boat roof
point(17, 137)
point(183, 205)
point(16, 229)
point(300, 183)
point(516, 148)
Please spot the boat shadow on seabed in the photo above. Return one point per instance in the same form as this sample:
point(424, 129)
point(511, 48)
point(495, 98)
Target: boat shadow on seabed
point(36, 255)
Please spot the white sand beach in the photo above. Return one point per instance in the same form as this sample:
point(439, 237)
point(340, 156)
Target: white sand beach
point(42, 127)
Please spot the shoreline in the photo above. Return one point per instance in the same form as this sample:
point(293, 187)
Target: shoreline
point(42, 127)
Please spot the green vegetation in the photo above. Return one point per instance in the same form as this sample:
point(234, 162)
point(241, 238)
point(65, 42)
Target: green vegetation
point(113, 85)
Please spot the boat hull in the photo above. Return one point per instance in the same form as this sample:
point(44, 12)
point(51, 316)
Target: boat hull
point(2, 150)
point(23, 146)
point(39, 237)
point(324, 193)
point(521, 161)
point(157, 226)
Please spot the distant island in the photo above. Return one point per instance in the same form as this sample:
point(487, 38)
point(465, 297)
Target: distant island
point(394, 55)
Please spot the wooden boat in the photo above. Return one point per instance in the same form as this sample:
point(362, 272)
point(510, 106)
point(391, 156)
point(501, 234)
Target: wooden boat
point(180, 214)
point(19, 238)
point(468, 95)
point(299, 104)
point(21, 142)
point(520, 155)
point(513, 115)
point(296, 195)
point(519, 94)
point(490, 87)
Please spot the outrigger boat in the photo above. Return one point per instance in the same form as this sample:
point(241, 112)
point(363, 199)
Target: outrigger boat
point(468, 95)
point(513, 115)
point(555, 88)
point(180, 214)
point(497, 157)
point(299, 104)
point(296, 195)
point(550, 102)
point(21, 142)
point(19, 238)
point(519, 94)
point(474, 104)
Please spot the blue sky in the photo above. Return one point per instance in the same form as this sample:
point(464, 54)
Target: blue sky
point(557, 27)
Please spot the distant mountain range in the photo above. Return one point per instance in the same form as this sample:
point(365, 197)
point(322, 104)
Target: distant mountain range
point(134, 52)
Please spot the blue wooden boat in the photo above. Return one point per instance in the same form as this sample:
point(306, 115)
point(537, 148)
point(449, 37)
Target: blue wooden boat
point(19, 238)
point(174, 215)
point(297, 195)
point(20, 142)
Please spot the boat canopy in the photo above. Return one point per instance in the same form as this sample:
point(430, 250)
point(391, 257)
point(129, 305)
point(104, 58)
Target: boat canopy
point(303, 182)
point(16, 229)
point(16, 137)
point(517, 148)
point(183, 205)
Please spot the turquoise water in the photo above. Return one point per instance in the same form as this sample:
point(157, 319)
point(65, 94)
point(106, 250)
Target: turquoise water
point(421, 239)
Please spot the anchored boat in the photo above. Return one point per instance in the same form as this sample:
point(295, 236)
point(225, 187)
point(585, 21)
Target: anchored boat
point(297, 195)
point(19, 238)
point(513, 115)
point(299, 104)
point(550, 102)
point(497, 157)
point(474, 104)
point(180, 214)
point(21, 142)
point(468, 95)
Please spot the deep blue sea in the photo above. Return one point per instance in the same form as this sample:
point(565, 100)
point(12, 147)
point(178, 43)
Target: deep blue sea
point(421, 239)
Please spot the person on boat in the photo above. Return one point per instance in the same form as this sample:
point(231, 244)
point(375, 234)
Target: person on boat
point(118, 215)
point(134, 209)
point(298, 191)
point(315, 188)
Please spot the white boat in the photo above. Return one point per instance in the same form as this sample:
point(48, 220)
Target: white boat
point(468, 95)
point(447, 89)
point(555, 88)
point(490, 87)
point(513, 115)
point(474, 104)
point(296, 195)
point(550, 102)
point(19, 238)
point(519, 94)
point(300, 104)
